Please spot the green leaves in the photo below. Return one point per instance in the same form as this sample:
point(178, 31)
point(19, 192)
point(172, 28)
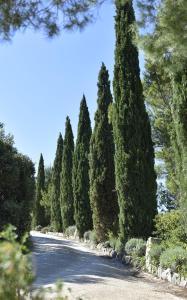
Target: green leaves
point(48, 16)
point(17, 185)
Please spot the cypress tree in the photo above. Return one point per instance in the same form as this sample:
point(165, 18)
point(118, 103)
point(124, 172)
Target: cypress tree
point(102, 178)
point(134, 155)
point(39, 213)
point(56, 219)
point(66, 192)
point(83, 216)
point(179, 138)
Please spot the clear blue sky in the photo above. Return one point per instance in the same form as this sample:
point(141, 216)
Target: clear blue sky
point(42, 81)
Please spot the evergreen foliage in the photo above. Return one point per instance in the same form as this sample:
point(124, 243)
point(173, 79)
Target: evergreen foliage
point(134, 156)
point(167, 42)
point(179, 138)
point(66, 188)
point(17, 185)
point(49, 16)
point(83, 215)
point(158, 95)
point(102, 179)
point(39, 211)
point(56, 219)
point(46, 195)
point(166, 47)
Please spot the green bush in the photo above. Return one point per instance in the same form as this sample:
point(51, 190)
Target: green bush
point(113, 240)
point(138, 262)
point(91, 236)
point(155, 254)
point(135, 247)
point(45, 229)
point(38, 228)
point(175, 259)
point(70, 231)
point(87, 235)
point(169, 228)
point(106, 244)
point(16, 276)
point(15, 267)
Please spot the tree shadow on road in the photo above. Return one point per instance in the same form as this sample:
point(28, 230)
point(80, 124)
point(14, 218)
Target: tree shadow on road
point(67, 260)
point(59, 259)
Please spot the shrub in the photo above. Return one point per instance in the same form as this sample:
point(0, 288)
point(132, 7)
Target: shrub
point(90, 236)
point(113, 240)
point(138, 262)
point(16, 276)
point(15, 267)
point(155, 253)
point(51, 228)
point(136, 247)
point(87, 235)
point(45, 229)
point(38, 228)
point(70, 231)
point(175, 259)
point(169, 228)
point(93, 237)
point(115, 243)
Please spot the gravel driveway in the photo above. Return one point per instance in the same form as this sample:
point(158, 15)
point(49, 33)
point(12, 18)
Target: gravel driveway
point(93, 276)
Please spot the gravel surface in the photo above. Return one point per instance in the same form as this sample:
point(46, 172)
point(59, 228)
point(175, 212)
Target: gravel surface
point(93, 276)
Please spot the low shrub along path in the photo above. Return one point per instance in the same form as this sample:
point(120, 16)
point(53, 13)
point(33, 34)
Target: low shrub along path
point(91, 275)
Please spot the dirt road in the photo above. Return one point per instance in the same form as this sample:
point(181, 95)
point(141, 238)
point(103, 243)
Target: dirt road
point(91, 276)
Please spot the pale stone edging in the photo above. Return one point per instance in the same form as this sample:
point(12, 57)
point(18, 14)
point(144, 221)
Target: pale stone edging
point(165, 274)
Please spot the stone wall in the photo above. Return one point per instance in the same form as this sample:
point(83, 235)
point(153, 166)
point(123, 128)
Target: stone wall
point(165, 274)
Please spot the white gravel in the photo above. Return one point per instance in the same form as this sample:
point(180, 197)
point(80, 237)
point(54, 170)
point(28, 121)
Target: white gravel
point(92, 276)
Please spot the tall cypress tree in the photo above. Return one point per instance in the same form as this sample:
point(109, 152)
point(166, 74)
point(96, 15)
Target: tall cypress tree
point(179, 137)
point(66, 192)
point(39, 211)
point(83, 216)
point(56, 219)
point(134, 155)
point(102, 179)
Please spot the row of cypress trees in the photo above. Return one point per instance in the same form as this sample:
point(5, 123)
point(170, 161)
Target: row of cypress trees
point(109, 177)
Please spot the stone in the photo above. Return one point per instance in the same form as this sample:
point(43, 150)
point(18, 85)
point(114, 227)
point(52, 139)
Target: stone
point(113, 253)
point(100, 246)
point(183, 282)
point(126, 259)
point(119, 256)
point(176, 279)
point(159, 272)
point(166, 274)
point(150, 242)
